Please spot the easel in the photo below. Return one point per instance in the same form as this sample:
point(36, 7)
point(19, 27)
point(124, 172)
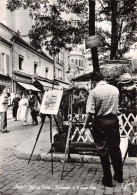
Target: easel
point(51, 150)
point(69, 142)
point(49, 107)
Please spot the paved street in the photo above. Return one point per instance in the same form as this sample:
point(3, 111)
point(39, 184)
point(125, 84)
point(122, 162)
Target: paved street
point(17, 177)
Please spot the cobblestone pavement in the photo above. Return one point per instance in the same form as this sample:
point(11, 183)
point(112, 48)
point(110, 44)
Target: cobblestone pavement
point(17, 177)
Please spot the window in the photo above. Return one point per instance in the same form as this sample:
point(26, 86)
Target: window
point(46, 72)
point(3, 62)
point(76, 62)
point(79, 62)
point(35, 68)
point(21, 59)
point(57, 57)
point(72, 60)
point(82, 63)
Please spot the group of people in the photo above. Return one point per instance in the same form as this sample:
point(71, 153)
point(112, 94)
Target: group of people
point(27, 107)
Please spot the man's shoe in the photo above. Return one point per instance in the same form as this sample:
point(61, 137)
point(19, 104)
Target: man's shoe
point(118, 179)
point(5, 131)
point(107, 183)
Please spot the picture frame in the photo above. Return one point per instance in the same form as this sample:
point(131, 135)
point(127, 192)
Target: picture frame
point(51, 102)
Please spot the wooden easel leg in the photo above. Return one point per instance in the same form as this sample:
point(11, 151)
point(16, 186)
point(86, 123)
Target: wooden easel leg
point(43, 120)
point(51, 144)
point(125, 155)
point(66, 150)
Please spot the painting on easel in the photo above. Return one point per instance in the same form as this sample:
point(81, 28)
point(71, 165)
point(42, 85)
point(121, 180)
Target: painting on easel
point(51, 102)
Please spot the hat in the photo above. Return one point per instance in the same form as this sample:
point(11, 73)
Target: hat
point(125, 78)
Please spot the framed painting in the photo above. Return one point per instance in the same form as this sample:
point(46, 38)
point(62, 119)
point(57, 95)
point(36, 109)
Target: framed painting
point(51, 102)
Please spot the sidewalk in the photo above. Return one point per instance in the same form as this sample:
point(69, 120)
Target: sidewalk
point(43, 146)
point(42, 151)
point(82, 176)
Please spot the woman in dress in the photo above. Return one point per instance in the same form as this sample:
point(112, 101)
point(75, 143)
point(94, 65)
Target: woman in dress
point(23, 110)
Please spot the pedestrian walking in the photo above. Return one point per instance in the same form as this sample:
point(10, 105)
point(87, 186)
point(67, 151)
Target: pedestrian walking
point(102, 104)
point(33, 104)
point(3, 110)
point(23, 112)
point(15, 105)
point(39, 97)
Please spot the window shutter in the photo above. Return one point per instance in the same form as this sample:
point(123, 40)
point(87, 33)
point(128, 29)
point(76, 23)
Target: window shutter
point(7, 64)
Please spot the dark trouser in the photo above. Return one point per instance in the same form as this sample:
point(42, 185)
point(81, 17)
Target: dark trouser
point(3, 121)
point(107, 139)
point(34, 115)
point(15, 112)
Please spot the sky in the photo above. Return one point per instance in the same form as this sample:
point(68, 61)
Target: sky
point(3, 11)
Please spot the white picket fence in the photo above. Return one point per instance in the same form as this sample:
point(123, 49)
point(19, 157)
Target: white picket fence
point(126, 128)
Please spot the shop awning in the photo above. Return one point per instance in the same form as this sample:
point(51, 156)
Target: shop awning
point(28, 86)
point(84, 77)
point(45, 84)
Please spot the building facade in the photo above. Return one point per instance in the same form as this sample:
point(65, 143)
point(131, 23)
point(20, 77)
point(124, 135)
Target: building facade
point(27, 68)
point(5, 64)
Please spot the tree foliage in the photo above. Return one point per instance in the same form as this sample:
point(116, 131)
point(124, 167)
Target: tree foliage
point(55, 31)
point(52, 27)
point(122, 17)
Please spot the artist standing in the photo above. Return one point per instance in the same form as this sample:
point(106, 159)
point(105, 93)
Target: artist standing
point(102, 105)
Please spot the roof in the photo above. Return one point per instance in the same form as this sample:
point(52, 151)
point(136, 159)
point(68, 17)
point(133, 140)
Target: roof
point(8, 29)
point(5, 41)
point(19, 40)
point(85, 77)
point(110, 69)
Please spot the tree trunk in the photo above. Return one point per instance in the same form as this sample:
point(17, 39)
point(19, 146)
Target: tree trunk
point(114, 34)
point(94, 51)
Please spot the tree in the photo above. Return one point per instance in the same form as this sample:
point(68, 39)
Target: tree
point(122, 17)
point(55, 31)
point(52, 28)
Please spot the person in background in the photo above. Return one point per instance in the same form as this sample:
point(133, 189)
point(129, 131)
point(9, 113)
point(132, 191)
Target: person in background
point(33, 103)
point(15, 105)
point(40, 96)
point(9, 99)
point(102, 109)
point(3, 111)
point(23, 109)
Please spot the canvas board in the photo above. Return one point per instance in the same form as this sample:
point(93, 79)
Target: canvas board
point(51, 102)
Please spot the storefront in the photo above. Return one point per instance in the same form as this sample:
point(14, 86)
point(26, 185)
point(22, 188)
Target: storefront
point(23, 82)
point(45, 84)
point(5, 81)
